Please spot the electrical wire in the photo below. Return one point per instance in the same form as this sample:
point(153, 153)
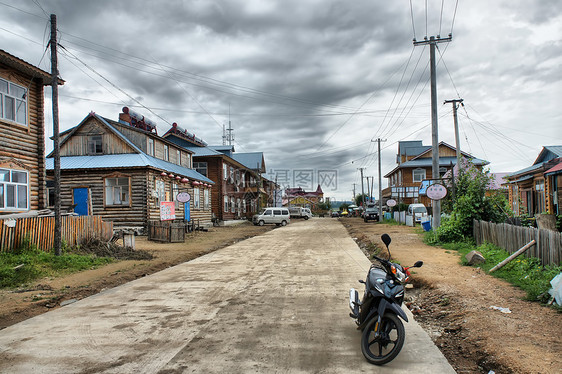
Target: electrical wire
point(412, 16)
point(454, 16)
point(441, 16)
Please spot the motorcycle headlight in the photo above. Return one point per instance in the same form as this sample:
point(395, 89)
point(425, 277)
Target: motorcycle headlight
point(400, 276)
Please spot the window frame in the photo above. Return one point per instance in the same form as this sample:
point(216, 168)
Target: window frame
point(417, 171)
point(197, 166)
point(92, 142)
point(15, 99)
point(151, 147)
point(14, 188)
point(128, 193)
point(196, 198)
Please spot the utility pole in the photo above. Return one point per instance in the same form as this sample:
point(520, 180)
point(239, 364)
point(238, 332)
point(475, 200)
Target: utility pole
point(55, 98)
point(379, 140)
point(434, 125)
point(354, 191)
point(362, 187)
point(456, 104)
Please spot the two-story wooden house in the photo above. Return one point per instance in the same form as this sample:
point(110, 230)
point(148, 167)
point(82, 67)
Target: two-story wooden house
point(22, 135)
point(238, 191)
point(414, 164)
point(126, 173)
point(538, 188)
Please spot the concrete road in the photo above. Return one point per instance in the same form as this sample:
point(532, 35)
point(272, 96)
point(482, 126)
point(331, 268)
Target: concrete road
point(276, 303)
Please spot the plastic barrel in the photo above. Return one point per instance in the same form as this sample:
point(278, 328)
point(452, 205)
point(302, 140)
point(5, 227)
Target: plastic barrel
point(426, 225)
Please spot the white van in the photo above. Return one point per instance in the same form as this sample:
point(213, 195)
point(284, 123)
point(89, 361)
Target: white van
point(279, 216)
point(419, 210)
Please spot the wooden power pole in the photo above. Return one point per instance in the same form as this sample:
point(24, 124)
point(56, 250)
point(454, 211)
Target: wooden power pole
point(434, 125)
point(55, 99)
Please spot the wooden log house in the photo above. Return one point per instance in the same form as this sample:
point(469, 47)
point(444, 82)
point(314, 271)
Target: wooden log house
point(22, 135)
point(126, 173)
point(240, 190)
point(414, 164)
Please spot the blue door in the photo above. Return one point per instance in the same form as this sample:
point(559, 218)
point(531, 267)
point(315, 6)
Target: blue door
point(80, 196)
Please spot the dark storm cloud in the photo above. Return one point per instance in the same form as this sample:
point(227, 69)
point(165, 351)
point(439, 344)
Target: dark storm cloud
point(289, 70)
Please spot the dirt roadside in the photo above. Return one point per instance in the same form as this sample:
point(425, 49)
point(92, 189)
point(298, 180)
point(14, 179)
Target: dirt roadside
point(453, 304)
point(49, 293)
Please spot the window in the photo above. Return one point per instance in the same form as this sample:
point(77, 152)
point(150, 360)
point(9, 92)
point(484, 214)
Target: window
point(151, 147)
point(14, 189)
point(196, 198)
point(238, 206)
point(200, 167)
point(225, 204)
point(188, 161)
point(418, 175)
point(178, 157)
point(175, 192)
point(95, 145)
point(224, 172)
point(539, 190)
point(117, 191)
point(161, 190)
point(206, 199)
point(166, 153)
point(13, 102)
point(244, 180)
point(232, 205)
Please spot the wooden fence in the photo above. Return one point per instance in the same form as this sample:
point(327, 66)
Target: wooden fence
point(549, 243)
point(168, 232)
point(40, 231)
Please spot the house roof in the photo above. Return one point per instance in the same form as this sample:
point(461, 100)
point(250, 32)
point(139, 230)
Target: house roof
point(203, 151)
point(252, 160)
point(25, 67)
point(428, 162)
point(557, 169)
point(548, 153)
point(127, 160)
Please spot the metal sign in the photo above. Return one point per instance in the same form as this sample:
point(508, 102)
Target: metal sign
point(391, 203)
point(183, 197)
point(436, 191)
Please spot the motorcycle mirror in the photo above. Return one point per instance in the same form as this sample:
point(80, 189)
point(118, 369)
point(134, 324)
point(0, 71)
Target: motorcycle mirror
point(418, 264)
point(386, 239)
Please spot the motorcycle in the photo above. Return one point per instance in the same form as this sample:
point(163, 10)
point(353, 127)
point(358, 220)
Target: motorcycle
point(376, 315)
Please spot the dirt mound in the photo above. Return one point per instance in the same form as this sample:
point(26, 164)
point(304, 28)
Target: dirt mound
point(100, 248)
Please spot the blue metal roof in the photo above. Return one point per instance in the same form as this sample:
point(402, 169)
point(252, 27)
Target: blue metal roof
point(203, 151)
point(128, 160)
point(526, 170)
point(443, 161)
point(251, 160)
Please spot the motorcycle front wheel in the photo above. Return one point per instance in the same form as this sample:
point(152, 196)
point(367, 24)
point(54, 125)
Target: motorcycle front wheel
point(384, 347)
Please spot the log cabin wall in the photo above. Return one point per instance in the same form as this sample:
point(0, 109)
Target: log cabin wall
point(26, 143)
point(171, 189)
point(133, 215)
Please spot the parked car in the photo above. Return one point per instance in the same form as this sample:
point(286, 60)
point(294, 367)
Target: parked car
point(335, 214)
point(419, 210)
point(371, 213)
point(278, 216)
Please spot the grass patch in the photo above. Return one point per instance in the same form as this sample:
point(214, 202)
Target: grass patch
point(21, 268)
point(526, 273)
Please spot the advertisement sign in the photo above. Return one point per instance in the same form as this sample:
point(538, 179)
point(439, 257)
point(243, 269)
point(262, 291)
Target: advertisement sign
point(436, 191)
point(167, 211)
point(183, 197)
point(391, 203)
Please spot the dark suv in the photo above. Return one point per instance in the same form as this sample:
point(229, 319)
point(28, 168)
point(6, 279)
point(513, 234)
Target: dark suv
point(371, 213)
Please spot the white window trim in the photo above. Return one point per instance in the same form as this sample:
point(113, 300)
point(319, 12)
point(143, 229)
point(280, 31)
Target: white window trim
point(3, 96)
point(109, 191)
point(17, 190)
point(423, 176)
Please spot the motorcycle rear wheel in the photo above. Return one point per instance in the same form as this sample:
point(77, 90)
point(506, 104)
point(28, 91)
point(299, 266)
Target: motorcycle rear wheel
point(384, 348)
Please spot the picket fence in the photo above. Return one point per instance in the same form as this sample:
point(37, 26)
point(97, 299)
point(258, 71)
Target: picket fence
point(40, 231)
point(548, 247)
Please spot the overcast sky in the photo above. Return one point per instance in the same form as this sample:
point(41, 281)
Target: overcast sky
point(309, 83)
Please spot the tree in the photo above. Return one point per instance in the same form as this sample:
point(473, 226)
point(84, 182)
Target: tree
point(359, 199)
point(473, 201)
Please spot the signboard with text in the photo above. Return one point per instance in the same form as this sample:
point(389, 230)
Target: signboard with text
point(167, 211)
